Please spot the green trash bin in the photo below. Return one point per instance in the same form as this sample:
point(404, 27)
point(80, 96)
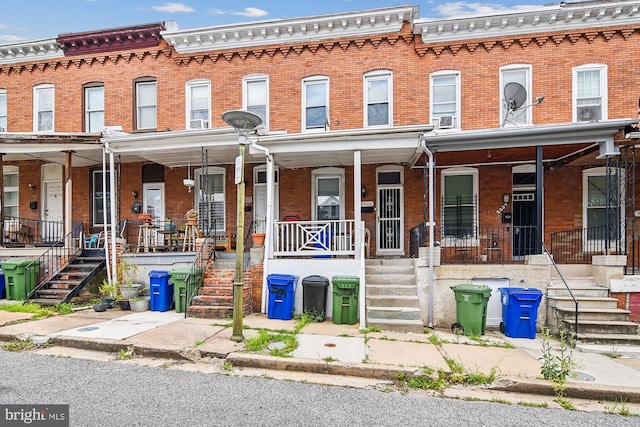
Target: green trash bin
point(471, 308)
point(178, 277)
point(16, 274)
point(345, 299)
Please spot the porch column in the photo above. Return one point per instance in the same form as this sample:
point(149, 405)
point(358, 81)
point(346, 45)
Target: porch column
point(67, 198)
point(2, 199)
point(539, 235)
point(357, 201)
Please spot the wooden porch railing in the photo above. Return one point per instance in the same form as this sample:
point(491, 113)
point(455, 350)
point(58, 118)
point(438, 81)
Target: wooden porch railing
point(319, 239)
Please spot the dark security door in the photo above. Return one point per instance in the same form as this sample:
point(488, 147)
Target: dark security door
point(524, 224)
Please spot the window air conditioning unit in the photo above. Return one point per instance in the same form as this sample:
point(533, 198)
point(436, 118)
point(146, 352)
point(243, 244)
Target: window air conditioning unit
point(589, 114)
point(444, 122)
point(199, 124)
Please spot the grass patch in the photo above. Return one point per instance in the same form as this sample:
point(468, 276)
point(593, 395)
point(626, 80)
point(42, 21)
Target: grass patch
point(18, 345)
point(619, 407)
point(264, 338)
point(36, 310)
point(227, 366)
point(125, 354)
point(371, 328)
point(534, 404)
point(330, 359)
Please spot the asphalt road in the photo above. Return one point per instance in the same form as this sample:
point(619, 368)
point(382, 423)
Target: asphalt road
point(117, 394)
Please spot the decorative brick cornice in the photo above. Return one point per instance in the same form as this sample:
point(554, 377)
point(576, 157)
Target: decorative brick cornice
point(117, 39)
point(455, 47)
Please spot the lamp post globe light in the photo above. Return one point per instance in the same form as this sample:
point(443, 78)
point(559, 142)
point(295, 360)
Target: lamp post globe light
point(244, 122)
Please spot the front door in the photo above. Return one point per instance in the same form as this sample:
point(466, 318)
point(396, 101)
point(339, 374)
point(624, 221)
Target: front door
point(52, 212)
point(390, 222)
point(524, 224)
point(153, 200)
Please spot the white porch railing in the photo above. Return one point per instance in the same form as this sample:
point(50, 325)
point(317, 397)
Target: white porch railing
point(320, 239)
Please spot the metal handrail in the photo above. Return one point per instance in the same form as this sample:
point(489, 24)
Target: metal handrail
point(51, 262)
point(198, 269)
point(575, 301)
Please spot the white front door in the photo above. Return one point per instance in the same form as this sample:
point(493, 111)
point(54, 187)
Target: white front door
point(153, 200)
point(52, 211)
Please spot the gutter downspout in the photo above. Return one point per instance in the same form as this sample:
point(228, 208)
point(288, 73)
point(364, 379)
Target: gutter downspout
point(268, 225)
point(431, 224)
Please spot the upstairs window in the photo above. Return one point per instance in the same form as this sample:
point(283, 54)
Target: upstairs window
point(378, 99)
point(315, 100)
point(43, 108)
point(515, 86)
point(198, 104)
point(590, 93)
point(93, 108)
point(3, 110)
point(146, 104)
point(255, 91)
point(445, 99)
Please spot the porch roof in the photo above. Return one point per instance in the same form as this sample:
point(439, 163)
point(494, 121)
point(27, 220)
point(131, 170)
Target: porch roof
point(52, 147)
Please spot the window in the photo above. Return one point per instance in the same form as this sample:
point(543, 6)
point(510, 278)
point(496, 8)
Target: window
point(146, 104)
point(590, 93)
point(99, 194)
point(328, 190)
point(378, 99)
point(519, 91)
point(210, 197)
point(315, 101)
point(198, 104)
point(3, 110)
point(94, 108)
point(43, 108)
point(596, 192)
point(11, 193)
point(445, 99)
point(459, 202)
point(256, 96)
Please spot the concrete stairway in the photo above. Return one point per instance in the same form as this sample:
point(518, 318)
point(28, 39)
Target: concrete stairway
point(392, 301)
point(599, 318)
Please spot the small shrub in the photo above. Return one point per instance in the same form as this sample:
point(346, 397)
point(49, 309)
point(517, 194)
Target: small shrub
point(18, 345)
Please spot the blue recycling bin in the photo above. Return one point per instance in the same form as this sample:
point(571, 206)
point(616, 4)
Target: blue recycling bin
point(322, 241)
point(2, 292)
point(282, 289)
point(519, 311)
point(160, 291)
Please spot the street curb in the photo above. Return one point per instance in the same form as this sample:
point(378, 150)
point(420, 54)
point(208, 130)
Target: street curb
point(608, 393)
point(380, 372)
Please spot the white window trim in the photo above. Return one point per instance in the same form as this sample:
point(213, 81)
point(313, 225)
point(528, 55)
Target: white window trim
point(603, 86)
point(212, 170)
point(190, 84)
point(137, 98)
point(527, 68)
point(3, 94)
point(452, 241)
point(378, 75)
point(326, 173)
point(245, 94)
point(600, 171)
point(313, 80)
point(36, 106)
point(87, 112)
point(446, 73)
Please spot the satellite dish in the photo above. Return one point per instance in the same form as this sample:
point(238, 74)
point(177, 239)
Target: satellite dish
point(515, 95)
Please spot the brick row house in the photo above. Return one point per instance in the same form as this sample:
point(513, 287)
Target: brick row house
point(488, 150)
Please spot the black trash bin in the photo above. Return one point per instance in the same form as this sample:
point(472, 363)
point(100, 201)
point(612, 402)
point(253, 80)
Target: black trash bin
point(314, 297)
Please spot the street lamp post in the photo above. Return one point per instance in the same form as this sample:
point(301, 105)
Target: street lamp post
point(243, 122)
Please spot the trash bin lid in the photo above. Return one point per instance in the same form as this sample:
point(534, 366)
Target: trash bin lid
point(473, 289)
point(12, 264)
point(315, 280)
point(158, 273)
point(346, 282)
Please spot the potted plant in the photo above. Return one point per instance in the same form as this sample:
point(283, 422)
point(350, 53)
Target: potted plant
point(127, 273)
point(192, 216)
point(108, 292)
point(145, 218)
point(257, 235)
point(139, 304)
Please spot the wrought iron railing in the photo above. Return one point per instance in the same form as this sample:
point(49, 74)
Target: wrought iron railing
point(580, 245)
point(42, 269)
point(32, 232)
point(566, 285)
point(198, 269)
point(488, 244)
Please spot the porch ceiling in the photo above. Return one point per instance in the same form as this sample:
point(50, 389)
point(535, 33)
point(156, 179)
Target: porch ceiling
point(52, 148)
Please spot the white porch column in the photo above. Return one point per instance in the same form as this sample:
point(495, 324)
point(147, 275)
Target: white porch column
point(357, 215)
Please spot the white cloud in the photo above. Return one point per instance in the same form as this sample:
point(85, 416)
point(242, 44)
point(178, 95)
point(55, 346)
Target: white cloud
point(173, 8)
point(250, 12)
point(461, 9)
point(11, 39)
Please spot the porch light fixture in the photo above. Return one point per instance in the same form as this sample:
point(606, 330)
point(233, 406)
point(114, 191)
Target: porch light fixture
point(243, 122)
point(188, 182)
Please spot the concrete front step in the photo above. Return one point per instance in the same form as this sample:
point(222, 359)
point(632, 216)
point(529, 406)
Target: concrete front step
point(395, 290)
point(610, 327)
point(392, 313)
point(592, 314)
point(372, 262)
point(391, 279)
point(389, 269)
point(609, 339)
point(392, 301)
point(414, 326)
point(578, 291)
point(584, 302)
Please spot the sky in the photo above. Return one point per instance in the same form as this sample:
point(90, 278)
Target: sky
point(23, 20)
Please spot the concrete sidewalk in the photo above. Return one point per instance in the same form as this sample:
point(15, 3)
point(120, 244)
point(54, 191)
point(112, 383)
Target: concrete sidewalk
point(339, 350)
